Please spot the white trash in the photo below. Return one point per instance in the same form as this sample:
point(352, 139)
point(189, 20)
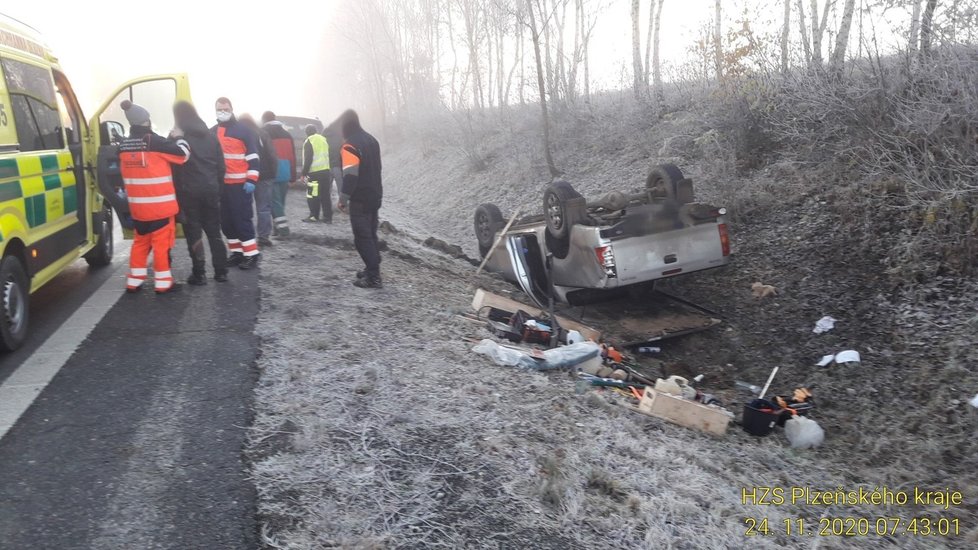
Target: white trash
point(803, 433)
point(574, 337)
point(974, 401)
point(847, 356)
point(824, 324)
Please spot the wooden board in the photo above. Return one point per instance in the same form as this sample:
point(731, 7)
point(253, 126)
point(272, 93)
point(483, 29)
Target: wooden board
point(684, 412)
point(483, 298)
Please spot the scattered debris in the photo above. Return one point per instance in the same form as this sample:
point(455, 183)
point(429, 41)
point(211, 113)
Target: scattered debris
point(761, 290)
point(754, 389)
point(974, 401)
point(484, 299)
point(649, 350)
point(803, 433)
point(847, 356)
point(824, 324)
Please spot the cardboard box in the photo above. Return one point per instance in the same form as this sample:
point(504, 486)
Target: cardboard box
point(686, 413)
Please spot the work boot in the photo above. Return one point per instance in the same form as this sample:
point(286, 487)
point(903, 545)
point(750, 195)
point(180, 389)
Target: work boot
point(221, 277)
point(283, 232)
point(330, 222)
point(235, 259)
point(265, 241)
point(175, 287)
point(368, 282)
point(136, 289)
point(361, 274)
point(197, 279)
point(310, 219)
point(250, 262)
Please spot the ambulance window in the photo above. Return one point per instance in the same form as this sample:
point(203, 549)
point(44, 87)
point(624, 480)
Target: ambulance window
point(156, 96)
point(69, 109)
point(34, 106)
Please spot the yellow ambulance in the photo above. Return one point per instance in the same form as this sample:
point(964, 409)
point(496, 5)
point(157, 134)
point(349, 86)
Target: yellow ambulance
point(58, 171)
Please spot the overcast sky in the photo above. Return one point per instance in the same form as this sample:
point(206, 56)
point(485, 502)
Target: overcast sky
point(278, 54)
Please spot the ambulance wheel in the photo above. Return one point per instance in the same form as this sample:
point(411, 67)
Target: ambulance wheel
point(488, 221)
point(14, 296)
point(101, 255)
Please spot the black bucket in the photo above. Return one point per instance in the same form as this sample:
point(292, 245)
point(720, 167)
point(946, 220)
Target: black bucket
point(757, 421)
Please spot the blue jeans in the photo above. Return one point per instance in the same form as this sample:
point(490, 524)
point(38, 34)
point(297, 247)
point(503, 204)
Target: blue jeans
point(263, 205)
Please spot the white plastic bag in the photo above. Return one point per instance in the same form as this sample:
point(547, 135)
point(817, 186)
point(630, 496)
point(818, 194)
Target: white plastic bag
point(499, 354)
point(803, 433)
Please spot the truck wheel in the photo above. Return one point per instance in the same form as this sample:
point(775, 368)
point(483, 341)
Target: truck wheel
point(488, 221)
point(14, 296)
point(663, 181)
point(562, 207)
point(101, 255)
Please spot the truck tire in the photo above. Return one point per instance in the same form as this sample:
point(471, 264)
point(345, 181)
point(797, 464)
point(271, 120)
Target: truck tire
point(663, 181)
point(101, 255)
point(562, 207)
point(14, 297)
point(488, 221)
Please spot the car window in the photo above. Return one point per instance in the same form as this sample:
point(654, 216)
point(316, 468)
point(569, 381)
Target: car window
point(156, 96)
point(33, 105)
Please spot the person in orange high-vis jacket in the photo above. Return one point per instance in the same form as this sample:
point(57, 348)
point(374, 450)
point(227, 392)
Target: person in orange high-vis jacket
point(145, 160)
point(240, 146)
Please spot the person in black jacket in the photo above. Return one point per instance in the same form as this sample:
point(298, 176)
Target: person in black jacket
point(198, 185)
point(362, 192)
point(266, 179)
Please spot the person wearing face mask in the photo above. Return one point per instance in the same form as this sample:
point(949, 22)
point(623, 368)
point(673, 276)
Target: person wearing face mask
point(198, 184)
point(240, 146)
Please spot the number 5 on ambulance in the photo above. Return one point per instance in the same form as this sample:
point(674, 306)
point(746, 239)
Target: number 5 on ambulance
point(59, 173)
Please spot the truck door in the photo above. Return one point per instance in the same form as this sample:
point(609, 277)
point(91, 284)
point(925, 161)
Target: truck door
point(108, 126)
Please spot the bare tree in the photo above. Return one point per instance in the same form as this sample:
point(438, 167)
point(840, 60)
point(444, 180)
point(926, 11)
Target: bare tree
point(818, 30)
point(842, 38)
point(804, 33)
point(914, 39)
point(718, 41)
point(785, 31)
point(926, 28)
point(656, 66)
point(541, 87)
point(637, 79)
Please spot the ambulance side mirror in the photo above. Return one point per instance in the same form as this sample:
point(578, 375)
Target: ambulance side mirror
point(112, 132)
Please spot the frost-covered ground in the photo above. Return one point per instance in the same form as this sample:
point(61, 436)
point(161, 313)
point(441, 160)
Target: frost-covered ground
point(376, 427)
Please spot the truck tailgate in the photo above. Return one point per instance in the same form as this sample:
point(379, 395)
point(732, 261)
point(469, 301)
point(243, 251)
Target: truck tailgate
point(664, 254)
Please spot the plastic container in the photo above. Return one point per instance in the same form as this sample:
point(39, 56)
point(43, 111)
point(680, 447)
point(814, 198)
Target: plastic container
point(760, 417)
point(574, 337)
point(674, 385)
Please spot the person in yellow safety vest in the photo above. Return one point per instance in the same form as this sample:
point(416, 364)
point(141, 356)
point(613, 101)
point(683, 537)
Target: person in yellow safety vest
point(317, 176)
point(145, 161)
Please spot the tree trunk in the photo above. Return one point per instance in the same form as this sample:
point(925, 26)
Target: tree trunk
point(648, 44)
point(542, 87)
point(636, 52)
point(842, 38)
point(926, 29)
point(656, 66)
point(914, 38)
point(718, 41)
point(804, 34)
point(818, 30)
point(785, 30)
point(587, 65)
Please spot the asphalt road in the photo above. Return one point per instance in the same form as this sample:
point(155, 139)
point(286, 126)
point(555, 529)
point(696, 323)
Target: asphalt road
point(136, 443)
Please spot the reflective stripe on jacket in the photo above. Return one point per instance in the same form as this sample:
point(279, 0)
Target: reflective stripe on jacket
point(320, 153)
point(240, 147)
point(145, 165)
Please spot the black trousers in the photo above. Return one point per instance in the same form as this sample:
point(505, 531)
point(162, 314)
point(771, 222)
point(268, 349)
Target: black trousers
point(202, 215)
point(364, 220)
point(321, 199)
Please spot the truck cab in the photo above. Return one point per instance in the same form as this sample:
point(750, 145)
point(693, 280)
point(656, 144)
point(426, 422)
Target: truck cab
point(57, 174)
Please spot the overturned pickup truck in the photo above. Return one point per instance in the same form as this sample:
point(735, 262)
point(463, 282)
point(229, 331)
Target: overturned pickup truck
point(591, 251)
